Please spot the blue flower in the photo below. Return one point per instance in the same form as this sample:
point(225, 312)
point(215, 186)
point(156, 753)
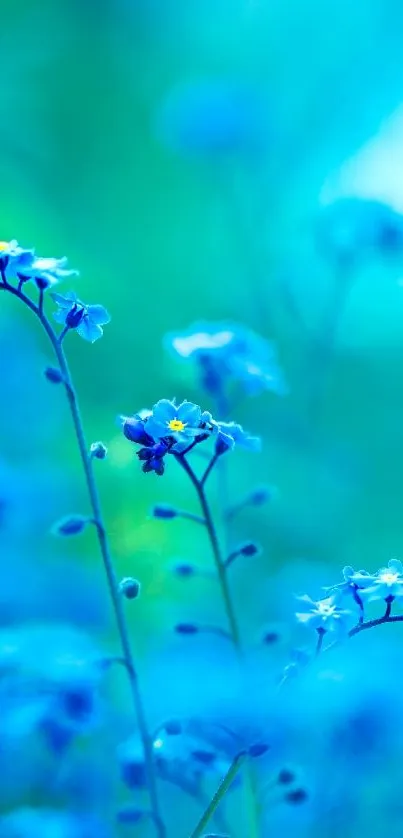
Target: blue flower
point(209, 116)
point(48, 823)
point(387, 583)
point(225, 352)
point(230, 434)
point(87, 320)
point(355, 227)
point(323, 614)
point(180, 422)
point(19, 263)
point(353, 582)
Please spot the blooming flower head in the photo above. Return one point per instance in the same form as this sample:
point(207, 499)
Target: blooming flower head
point(386, 584)
point(353, 582)
point(230, 434)
point(173, 428)
point(87, 320)
point(19, 263)
point(209, 116)
point(323, 614)
point(227, 351)
point(351, 228)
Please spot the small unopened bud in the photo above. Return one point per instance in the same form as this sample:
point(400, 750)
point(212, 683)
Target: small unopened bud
point(173, 728)
point(53, 375)
point(248, 549)
point(186, 628)
point(296, 796)
point(259, 496)
point(129, 587)
point(223, 444)
point(98, 450)
point(164, 511)
point(184, 569)
point(285, 777)
point(70, 525)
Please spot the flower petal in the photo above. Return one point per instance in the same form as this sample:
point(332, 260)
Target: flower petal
point(164, 411)
point(98, 315)
point(189, 413)
point(89, 331)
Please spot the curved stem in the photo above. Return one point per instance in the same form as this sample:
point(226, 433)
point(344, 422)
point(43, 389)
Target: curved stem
point(105, 553)
point(218, 796)
point(215, 546)
point(387, 618)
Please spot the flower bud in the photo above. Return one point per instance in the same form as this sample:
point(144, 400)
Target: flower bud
point(186, 628)
point(164, 511)
point(70, 525)
point(53, 375)
point(98, 450)
point(129, 587)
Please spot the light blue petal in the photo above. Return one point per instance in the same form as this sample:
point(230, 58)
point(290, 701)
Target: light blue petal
point(164, 411)
point(65, 300)
point(61, 315)
point(156, 429)
point(98, 315)
point(189, 413)
point(396, 565)
point(89, 331)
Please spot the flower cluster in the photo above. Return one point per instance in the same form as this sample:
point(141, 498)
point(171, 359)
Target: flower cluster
point(171, 428)
point(18, 263)
point(21, 265)
point(228, 352)
point(328, 615)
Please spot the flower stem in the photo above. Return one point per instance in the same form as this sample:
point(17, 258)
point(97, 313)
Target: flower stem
point(221, 568)
point(215, 546)
point(387, 618)
point(218, 796)
point(105, 553)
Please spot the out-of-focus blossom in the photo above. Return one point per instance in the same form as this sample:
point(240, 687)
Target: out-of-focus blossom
point(387, 583)
point(51, 823)
point(323, 614)
point(24, 265)
point(87, 320)
point(353, 582)
point(230, 434)
point(209, 117)
point(225, 352)
point(351, 229)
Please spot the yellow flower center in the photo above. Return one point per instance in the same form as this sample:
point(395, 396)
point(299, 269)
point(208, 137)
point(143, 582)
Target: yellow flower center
point(176, 425)
point(389, 578)
point(4, 245)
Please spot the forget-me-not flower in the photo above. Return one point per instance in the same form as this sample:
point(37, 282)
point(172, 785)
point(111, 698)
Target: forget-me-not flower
point(323, 614)
point(353, 583)
point(387, 583)
point(87, 320)
point(351, 228)
point(173, 428)
point(23, 264)
point(224, 352)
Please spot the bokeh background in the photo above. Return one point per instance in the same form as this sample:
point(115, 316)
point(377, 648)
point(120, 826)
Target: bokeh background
point(188, 158)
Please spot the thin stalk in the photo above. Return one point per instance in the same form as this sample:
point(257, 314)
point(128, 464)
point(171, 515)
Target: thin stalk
point(215, 546)
point(105, 553)
point(219, 795)
point(221, 568)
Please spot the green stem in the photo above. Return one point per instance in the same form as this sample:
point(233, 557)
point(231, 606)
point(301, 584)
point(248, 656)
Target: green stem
point(215, 546)
point(106, 556)
point(219, 795)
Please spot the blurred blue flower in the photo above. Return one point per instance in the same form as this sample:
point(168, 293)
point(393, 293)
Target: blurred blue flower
point(352, 228)
point(225, 352)
point(323, 614)
point(51, 823)
point(87, 320)
point(230, 434)
point(354, 581)
point(387, 583)
point(209, 116)
point(18, 263)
